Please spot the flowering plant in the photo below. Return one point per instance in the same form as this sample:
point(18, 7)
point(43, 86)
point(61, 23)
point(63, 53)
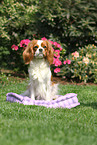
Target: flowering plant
point(82, 64)
point(58, 52)
point(23, 44)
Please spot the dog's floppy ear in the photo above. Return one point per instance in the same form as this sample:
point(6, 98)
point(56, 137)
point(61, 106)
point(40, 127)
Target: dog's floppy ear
point(50, 53)
point(28, 53)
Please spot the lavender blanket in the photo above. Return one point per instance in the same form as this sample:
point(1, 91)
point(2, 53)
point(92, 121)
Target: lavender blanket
point(67, 101)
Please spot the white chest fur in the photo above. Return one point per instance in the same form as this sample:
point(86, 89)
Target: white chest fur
point(40, 79)
point(39, 70)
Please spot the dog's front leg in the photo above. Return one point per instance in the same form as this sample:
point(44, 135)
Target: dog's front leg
point(48, 91)
point(32, 91)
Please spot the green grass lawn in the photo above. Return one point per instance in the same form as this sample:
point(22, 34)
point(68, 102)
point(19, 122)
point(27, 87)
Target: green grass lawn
point(35, 125)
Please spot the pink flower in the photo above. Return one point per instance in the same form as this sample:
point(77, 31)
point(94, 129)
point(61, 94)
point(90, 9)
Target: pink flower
point(53, 49)
point(57, 53)
point(24, 42)
point(57, 62)
point(51, 42)
point(58, 45)
point(76, 54)
point(14, 47)
point(56, 70)
point(55, 43)
point(60, 48)
point(43, 38)
point(69, 61)
point(65, 62)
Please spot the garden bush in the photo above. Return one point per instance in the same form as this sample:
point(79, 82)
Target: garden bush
point(72, 22)
point(81, 64)
point(17, 23)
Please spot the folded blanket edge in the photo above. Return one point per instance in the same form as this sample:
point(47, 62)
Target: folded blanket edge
point(69, 101)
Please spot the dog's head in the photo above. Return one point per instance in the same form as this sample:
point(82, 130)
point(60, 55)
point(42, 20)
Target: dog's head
point(38, 49)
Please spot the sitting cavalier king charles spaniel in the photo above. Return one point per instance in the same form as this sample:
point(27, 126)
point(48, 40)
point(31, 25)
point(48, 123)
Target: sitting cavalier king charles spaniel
point(39, 56)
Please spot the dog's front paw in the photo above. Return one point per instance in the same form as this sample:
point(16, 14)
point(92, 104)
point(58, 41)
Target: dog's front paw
point(32, 97)
point(48, 99)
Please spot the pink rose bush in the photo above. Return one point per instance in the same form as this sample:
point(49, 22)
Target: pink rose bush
point(67, 61)
point(57, 63)
point(56, 70)
point(24, 43)
point(14, 47)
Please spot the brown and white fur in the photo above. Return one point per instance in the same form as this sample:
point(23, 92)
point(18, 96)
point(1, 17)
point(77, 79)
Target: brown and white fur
point(39, 56)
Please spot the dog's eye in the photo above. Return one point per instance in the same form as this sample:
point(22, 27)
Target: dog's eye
point(44, 46)
point(35, 47)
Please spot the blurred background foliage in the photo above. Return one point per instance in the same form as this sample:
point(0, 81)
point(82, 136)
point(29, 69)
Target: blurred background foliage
point(72, 23)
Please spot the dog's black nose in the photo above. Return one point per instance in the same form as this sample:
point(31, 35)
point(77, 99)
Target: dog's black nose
point(40, 50)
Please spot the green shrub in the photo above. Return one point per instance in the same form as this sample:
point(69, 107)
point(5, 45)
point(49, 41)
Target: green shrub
point(4, 55)
point(73, 22)
point(17, 23)
point(82, 64)
point(17, 19)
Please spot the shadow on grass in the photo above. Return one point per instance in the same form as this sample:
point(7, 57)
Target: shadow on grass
point(93, 105)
